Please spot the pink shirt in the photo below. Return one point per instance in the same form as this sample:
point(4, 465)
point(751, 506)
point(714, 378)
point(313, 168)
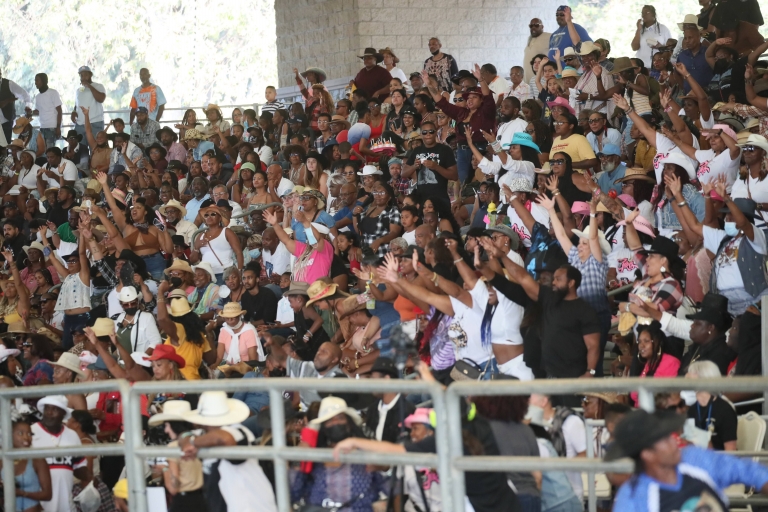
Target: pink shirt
point(247, 339)
point(317, 265)
point(668, 367)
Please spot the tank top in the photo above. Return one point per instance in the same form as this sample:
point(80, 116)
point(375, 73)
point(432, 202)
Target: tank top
point(74, 294)
point(27, 482)
point(639, 102)
point(224, 256)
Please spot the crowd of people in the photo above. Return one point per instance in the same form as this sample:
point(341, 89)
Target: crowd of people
point(594, 216)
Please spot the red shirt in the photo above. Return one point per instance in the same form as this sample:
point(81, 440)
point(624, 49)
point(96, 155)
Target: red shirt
point(483, 119)
point(372, 80)
point(109, 402)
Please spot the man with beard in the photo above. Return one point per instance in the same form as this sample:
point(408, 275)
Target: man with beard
point(440, 64)
point(261, 306)
point(538, 44)
point(50, 432)
point(200, 193)
point(215, 169)
point(325, 365)
point(174, 213)
point(58, 171)
point(59, 213)
point(169, 140)
point(570, 329)
point(14, 241)
point(511, 123)
point(613, 169)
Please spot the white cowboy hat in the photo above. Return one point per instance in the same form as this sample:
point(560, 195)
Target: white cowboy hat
point(128, 294)
point(683, 161)
point(71, 362)
point(604, 245)
point(321, 228)
point(34, 245)
point(204, 265)
point(173, 410)
point(214, 409)
point(173, 204)
point(369, 170)
point(332, 406)
point(59, 401)
point(6, 352)
point(141, 359)
point(756, 140)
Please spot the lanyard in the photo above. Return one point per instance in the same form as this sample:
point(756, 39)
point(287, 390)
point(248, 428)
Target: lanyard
point(708, 424)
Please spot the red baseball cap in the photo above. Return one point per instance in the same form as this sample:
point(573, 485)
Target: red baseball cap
point(169, 353)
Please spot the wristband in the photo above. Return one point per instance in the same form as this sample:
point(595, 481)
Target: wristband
point(681, 204)
point(593, 215)
point(456, 261)
point(668, 108)
point(555, 193)
point(626, 308)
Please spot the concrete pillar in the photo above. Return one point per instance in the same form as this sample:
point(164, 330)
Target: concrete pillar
point(331, 33)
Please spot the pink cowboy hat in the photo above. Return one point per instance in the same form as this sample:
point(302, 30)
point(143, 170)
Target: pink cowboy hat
point(561, 102)
point(641, 224)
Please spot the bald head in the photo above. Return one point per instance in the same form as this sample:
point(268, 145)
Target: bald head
point(274, 172)
point(327, 357)
point(424, 234)
point(536, 27)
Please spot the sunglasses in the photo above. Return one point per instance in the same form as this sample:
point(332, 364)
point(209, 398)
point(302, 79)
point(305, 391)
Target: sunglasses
point(295, 154)
point(750, 149)
point(533, 25)
point(570, 58)
point(129, 304)
point(559, 161)
point(212, 214)
point(72, 262)
point(306, 198)
point(595, 120)
point(530, 132)
point(379, 193)
point(558, 123)
point(428, 132)
point(351, 173)
point(458, 100)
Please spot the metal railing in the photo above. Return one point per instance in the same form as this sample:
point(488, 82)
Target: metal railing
point(449, 459)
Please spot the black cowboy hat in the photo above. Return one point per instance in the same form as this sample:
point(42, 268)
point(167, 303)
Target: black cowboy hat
point(179, 240)
point(321, 159)
point(461, 75)
point(176, 164)
point(640, 430)
point(745, 205)
point(713, 309)
point(371, 52)
point(73, 133)
point(385, 366)
point(666, 247)
point(158, 147)
point(159, 132)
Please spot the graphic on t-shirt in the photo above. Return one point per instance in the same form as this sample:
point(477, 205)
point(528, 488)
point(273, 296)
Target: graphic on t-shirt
point(427, 176)
point(703, 169)
point(658, 158)
point(729, 254)
point(706, 502)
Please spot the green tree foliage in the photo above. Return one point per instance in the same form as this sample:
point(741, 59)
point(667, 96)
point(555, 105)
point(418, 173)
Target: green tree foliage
point(198, 51)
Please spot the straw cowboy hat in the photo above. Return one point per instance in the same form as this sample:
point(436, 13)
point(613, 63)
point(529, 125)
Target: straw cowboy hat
point(194, 133)
point(173, 410)
point(342, 120)
point(21, 123)
point(635, 173)
point(178, 264)
point(389, 51)
point(71, 362)
point(332, 406)
point(103, 327)
point(371, 52)
point(690, 19)
point(351, 305)
point(216, 410)
point(213, 106)
point(173, 204)
point(232, 310)
point(320, 290)
point(59, 401)
point(605, 246)
point(320, 74)
point(179, 307)
point(209, 205)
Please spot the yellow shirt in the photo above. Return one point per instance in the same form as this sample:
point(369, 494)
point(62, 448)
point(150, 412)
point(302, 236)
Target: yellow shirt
point(644, 154)
point(191, 353)
point(576, 146)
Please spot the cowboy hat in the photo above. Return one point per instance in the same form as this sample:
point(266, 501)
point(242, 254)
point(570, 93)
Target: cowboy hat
point(605, 246)
point(59, 401)
point(34, 245)
point(745, 205)
point(6, 352)
point(193, 133)
point(180, 306)
point(214, 409)
point(341, 119)
point(21, 123)
point(545, 169)
point(520, 185)
point(609, 397)
point(173, 410)
point(127, 294)
point(621, 64)
point(640, 430)
point(297, 288)
point(385, 366)
point(369, 170)
point(103, 327)
point(561, 102)
point(178, 264)
point(204, 265)
point(319, 290)
point(333, 406)
point(420, 415)
point(569, 72)
point(320, 74)
point(232, 310)
point(141, 359)
point(158, 147)
point(351, 305)
point(628, 200)
point(159, 132)
point(389, 51)
point(16, 327)
point(209, 205)
point(461, 75)
point(523, 139)
point(641, 224)
point(677, 158)
point(472, 90)
point(514, 238)
point(167, 352)
point(713, 309)
point(756, 140)
point(664, 246)
point(635, 173)
point(371, 52)
point(212, 106)
point(690, 19)
point(587, 47)
point(71, 362)
point(173, 204)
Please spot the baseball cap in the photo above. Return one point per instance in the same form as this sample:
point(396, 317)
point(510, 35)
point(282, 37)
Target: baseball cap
point(84, 68)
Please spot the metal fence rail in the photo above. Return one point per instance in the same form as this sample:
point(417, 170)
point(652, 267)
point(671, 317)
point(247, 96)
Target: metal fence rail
point(449, 459)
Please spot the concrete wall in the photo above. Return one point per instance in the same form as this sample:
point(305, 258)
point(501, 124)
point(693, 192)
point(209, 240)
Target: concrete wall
point(331, 33)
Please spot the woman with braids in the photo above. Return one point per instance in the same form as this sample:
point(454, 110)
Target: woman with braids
point(186, 333)
point(652, 358)
point(650, 35)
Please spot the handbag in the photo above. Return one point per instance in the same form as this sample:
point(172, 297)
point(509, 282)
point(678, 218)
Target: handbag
point(467, 369)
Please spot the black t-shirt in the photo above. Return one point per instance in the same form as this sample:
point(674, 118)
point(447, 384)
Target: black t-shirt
point(720, 416)
point(58, 214)
point(692, 489)
point(563, 327)
point(428, 182)
point(262, 306)
point(16, 247)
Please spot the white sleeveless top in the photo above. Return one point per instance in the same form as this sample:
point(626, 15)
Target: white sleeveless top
point(220, 246)
point(73, 294)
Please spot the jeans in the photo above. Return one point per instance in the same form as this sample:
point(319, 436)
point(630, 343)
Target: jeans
point(155, 265)
point(464, 161)
point(72, 323)
point(529, 503)
point(49, 136)
point(95, 128)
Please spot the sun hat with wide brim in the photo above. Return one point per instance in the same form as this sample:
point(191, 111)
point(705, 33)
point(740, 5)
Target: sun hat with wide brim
point(690, 19)
point(371, 52)
point(173, 204)
point(389, 51)
point(333, 406)
point(320, 290)
point(681, 160)
point(320, 74)
point(640, 430)
point(232, 310)
point(59, 401)
point(71, 362)
point(214, 409)
point(561, 102)
point(635, 173)
point(297, 288)
point(173, 410)
point(605, 246)
point(621, 64)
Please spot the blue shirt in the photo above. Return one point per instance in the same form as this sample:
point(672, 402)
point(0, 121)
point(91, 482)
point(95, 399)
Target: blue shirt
point(345, 213)
point(199, 151)
point(255, 400)
point(298, 228)
point(699, 470)
point(561, 39)
point(697, 66)
point(193, 206)
point(606, 180)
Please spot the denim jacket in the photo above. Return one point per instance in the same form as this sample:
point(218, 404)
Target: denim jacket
point(666, 218)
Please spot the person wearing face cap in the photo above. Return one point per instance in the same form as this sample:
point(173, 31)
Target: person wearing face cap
point(739, 248)
point(668, 477)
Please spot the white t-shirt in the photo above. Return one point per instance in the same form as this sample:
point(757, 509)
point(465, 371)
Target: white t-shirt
point(265, 155)
point(84, 98)
point(46, 103)
point(410, 237)
point(623, 260)
point(539, 214)
point(712, 165)
point(464, 331)
point(728, 274)
point(28, 178)
point(505, 323)
point(754, 189)
point(279, 262)
point(664, 147)
point(62, 477)
point(651, 36)
point(575, 435)
point(284, 312)
point(66, 168)
point(243, 484)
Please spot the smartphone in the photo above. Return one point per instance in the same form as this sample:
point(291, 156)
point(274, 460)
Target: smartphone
point(88, 205)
